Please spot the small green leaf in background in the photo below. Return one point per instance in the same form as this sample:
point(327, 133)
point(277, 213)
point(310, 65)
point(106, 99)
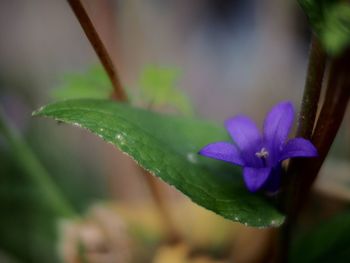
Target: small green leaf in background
point(93, 83)
point(159, 87)
point(330, 19)
point(167, 146)
point(336, 33)
point(328, 242)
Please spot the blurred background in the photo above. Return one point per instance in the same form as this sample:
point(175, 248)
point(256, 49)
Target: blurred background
point(234, 57)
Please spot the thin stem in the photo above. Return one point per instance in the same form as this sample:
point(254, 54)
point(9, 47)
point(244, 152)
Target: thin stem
point(307, 117)
point(120, 95)
point(312, 90)
point(305, 171)
point(99, 48)
point(329, 121)
point(306, 122)
point(158, 197)
point(331, 116)
point(33, 168)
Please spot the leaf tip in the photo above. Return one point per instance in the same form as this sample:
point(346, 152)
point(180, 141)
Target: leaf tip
point(38, 112)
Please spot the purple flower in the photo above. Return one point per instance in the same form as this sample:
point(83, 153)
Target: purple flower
point(261, 155)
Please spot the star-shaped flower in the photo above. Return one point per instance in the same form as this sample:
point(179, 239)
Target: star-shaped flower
point(261, 155)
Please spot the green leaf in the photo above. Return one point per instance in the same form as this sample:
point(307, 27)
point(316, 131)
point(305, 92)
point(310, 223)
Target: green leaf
point(316, 11)
point(158, 87)
point(330, 19)
point(167, 146)
point(27, 222)
point(335, 35)
point(328, 242)
point(93, 83)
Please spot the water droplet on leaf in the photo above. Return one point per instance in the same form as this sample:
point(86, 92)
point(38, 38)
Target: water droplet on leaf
point(191, 157)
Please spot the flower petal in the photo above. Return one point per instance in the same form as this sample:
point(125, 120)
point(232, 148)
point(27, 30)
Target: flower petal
point(243, 131)
point(255, 178)
point(298, 147)
point(278, 123)
point(222, 151)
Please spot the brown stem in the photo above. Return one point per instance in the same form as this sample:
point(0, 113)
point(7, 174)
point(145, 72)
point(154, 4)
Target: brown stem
point(99, 47)
point(312, 90)
point(157, 194)
point(304, 171)
point(120, 95)
point(306, 122)
point(307, 117)
point(329, 121)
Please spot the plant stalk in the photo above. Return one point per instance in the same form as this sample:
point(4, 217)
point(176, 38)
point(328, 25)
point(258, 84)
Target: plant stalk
point(157, 194)
point(306, 122)
point(99, 48)
point(329, 121)
point(304, 171)
point(120, 95)
point(312, 90)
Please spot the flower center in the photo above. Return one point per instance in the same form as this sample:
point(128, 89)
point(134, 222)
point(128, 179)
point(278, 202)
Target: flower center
point(263, 154)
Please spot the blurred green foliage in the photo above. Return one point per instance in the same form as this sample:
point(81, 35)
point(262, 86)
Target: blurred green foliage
point(157, 88)
point(27, 222)
point(336, 33)
point(31, 202)
point(330, 20)
point(93, 83)
point(328, 242)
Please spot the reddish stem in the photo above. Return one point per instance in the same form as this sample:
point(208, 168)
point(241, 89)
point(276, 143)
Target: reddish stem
point(99, 48)
point(312, 90)
point(120, 95)
point(302, 173)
